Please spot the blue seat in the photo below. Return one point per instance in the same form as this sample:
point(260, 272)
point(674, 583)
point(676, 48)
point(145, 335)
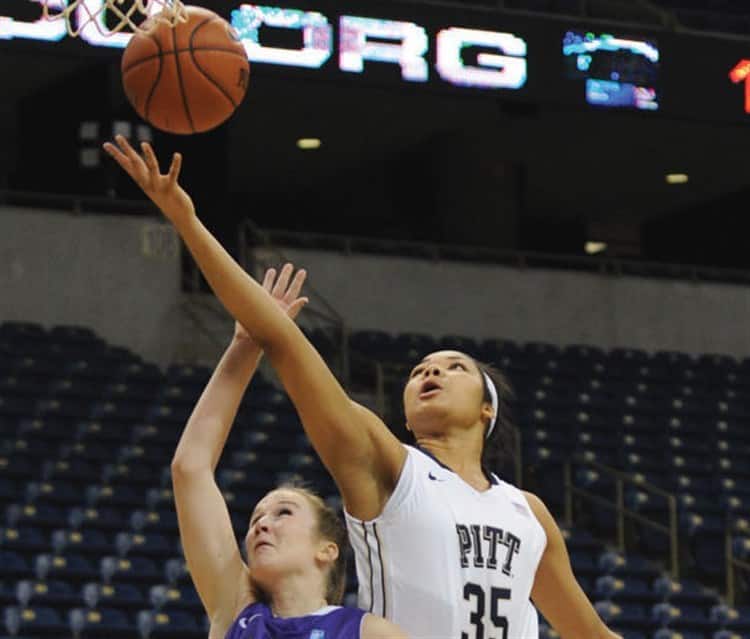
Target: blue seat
point(107, 518)
point(142, 545)
point(25, 539)
point(624, 590)
point(35, 621)
point(670, 633)
point(493, 349)
point(55, 493)
point(87, 623)
point(376, 344)
point(137, 475)
point(133, 570)
point(460, 343)
point(13, 565)
point(412, 347)
point(88, 542)
point(104, 495)
point(685, 591)
point(159, 521)
point(623, 615)
point(123, 410)
point(685, 617)
point(168, 625)
point(614, 563)
point(139, 372)
point(43, 516)
point(12, 405)
point(63, 469)
point(45, 428)
point(68, 567)
point(10, 490)
point(737, 619)
point(47, 593)
point(129, 597)
point(181, 597)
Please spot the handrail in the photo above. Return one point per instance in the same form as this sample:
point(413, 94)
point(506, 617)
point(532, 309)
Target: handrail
point(603, 265)
point(619, 506)
point(732, 564)
point(252, 236)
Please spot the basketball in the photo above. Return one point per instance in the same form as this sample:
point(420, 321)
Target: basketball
point(189, 78)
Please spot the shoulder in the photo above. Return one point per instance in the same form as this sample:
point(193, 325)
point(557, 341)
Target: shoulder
point(251, 611)
point(544, 516)
point(375, 627)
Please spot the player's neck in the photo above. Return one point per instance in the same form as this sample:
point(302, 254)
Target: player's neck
point(296, 596)
point(459, 455)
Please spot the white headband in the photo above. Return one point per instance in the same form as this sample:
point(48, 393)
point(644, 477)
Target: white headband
point(493, 395)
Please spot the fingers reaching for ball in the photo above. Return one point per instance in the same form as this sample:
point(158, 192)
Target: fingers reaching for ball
point(163, 189)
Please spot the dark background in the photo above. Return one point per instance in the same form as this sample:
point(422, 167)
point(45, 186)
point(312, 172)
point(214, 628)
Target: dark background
point(536, 169)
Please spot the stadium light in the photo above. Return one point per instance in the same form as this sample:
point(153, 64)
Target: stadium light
point(594, 248)
point(308, 144)
point(677, 178)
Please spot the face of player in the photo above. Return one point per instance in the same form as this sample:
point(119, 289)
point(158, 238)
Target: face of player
point(282, 538)
point(445, 388)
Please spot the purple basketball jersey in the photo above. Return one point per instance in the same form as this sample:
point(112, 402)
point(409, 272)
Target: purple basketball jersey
point(332, 622)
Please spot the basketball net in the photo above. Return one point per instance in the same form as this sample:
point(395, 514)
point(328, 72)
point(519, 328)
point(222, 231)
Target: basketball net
point(112, 16)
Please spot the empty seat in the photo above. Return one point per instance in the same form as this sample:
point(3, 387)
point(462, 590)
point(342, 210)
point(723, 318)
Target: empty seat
point(133, 570)
point(87, 623)
point(35, 621)
point(143, 545)
point(175, 597)
point(88, 542)
point(167, 625)
point(47, 593)
point(64, 567)
point(125, 596)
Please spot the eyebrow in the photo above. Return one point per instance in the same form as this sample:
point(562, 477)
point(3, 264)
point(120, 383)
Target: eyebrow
point(282, 501)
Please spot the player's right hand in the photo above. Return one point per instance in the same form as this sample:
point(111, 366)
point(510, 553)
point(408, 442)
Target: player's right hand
point(163, 189)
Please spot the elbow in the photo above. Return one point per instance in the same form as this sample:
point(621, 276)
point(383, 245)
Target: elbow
point(189, 463)
point(184, 467)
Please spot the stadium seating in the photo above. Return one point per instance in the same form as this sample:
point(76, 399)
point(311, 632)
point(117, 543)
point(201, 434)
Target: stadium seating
point(88, 535)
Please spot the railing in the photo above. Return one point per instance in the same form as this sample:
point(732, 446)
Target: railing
point(603, 265)
point(320, 311)
point(619, 506)
point(732, 564)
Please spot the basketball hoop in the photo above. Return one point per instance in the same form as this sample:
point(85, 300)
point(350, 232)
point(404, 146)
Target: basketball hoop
point(112, 16)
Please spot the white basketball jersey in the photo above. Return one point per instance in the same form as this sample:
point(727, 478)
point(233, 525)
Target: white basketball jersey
point(445, 561)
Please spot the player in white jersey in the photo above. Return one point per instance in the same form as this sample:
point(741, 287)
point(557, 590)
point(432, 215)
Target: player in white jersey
point(453, 555)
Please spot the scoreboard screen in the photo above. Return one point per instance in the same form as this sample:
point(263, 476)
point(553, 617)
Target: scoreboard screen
point(575, 62)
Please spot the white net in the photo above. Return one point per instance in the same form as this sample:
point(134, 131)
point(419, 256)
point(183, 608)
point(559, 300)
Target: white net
point(109, 17)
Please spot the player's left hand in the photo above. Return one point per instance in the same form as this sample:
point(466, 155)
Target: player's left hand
point(285, 289)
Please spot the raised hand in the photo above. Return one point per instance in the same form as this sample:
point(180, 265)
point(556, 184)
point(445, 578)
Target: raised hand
point(285, 290)
point(163, 189)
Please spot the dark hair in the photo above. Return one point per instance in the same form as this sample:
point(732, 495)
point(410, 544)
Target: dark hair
point(499, 450)
point(331, 527)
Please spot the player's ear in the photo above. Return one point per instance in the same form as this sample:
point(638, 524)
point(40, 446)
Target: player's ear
point(328, 551)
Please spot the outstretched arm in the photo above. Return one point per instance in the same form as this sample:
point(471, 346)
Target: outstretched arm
point(363, 456)
point(213, 557)
point(556, 591)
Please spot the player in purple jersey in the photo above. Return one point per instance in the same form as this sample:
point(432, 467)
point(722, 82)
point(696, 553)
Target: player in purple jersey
point(295, 544)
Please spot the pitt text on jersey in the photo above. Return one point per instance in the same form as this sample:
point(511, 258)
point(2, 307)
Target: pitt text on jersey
point(479, 544)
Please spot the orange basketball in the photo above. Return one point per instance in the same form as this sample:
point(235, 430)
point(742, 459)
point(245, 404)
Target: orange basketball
point(189, 78)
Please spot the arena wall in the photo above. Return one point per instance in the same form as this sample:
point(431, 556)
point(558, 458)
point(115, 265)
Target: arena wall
point(439, 298)
point(119, 276)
